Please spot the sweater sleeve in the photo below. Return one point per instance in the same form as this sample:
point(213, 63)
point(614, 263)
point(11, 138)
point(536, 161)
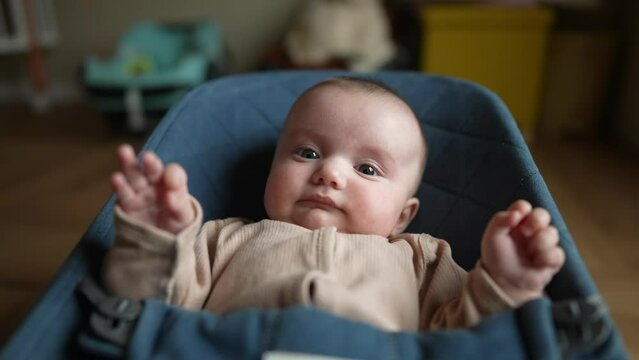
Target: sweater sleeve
point(148, 262)
point(452, 298)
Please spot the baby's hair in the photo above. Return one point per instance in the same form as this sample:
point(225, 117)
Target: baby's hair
point(366, 83)
point(373, 86)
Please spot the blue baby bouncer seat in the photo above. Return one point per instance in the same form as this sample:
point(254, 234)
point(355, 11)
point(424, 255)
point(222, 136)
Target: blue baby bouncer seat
point(224, 133)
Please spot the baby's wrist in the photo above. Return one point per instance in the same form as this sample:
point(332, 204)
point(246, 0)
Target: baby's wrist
point(518, 294)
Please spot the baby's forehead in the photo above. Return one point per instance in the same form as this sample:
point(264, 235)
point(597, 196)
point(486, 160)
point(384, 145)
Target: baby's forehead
point(321, 103)
point(329, 93)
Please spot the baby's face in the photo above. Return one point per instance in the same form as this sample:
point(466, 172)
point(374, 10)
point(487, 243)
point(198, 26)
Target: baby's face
point(349, 159)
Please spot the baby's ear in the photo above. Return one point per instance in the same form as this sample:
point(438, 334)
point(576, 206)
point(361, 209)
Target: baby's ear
point(406, 216)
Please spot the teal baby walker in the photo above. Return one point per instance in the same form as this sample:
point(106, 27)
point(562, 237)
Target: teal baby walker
point(154, 66)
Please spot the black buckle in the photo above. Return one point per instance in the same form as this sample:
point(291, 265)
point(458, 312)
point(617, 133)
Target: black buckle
point(581, 323)
point(120, 308)
point(113, 318)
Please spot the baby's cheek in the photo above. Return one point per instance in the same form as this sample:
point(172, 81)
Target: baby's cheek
point(375, 219)
point(281, 189)
point(271, 195)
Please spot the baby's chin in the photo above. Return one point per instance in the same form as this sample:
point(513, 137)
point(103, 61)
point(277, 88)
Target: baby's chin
point(318, 221)
point(314, 222)
point(317, 218)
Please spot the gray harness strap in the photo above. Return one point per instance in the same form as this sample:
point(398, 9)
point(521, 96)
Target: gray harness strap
point(113, 318)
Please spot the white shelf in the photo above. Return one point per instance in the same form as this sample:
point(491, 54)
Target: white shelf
point(14, 33)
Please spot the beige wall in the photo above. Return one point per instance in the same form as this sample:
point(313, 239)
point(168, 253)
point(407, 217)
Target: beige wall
point(92, 27)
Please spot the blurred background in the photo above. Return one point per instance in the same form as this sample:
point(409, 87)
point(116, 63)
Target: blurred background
point(79, 77)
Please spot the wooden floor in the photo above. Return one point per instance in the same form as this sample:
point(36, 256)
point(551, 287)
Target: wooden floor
point(54, 180)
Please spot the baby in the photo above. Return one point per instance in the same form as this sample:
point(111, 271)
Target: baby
point(339, 195)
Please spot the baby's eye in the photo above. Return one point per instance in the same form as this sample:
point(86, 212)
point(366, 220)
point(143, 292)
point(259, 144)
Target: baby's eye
point(367, 170)
point(307, 153)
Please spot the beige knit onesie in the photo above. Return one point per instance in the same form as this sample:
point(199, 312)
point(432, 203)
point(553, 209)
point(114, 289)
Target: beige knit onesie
point(407, 283)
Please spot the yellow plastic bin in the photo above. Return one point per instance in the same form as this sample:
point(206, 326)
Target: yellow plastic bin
point(502, 48)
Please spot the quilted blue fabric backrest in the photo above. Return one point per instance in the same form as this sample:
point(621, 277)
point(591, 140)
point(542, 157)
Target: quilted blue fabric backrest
point(224, 134)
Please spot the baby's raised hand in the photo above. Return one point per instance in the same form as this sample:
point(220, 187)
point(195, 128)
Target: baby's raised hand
point(152, 193)
point(520, 250)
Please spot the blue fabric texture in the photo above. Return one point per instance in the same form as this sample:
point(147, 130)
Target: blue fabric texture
point(224, 134)
point(248, 334)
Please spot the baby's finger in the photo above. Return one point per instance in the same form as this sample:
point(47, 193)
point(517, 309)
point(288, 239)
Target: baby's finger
point(130, 168)
point(544, 239)
point(178, 204)
point(537, 219)
point(175, 177)
point(152, 166)
point(126, 156)
point(553, 258)
point(502, 223)
point(513, 215)
point(124, 194)
point(522, 206)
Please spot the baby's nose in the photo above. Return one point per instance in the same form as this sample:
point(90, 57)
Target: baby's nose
point(330, 173)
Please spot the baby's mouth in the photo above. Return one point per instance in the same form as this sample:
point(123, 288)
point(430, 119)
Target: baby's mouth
point(319, 201)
